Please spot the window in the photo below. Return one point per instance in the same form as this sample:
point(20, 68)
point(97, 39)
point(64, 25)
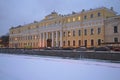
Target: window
point(99, 30)
point(73, 19)
point(79, 42)
point(99, 14)
point(92, 31)
point(69, 34)
point(73, 33)
point(64, 34)
point(74, 43)
point(68, 20)
point(85, 31)
point(63, 43)
point(115, 29)
point(79, 32)
point(91, 16)
point(85, 17)
point(92, 42)
point(116, 40)
point(42, 35)
point(68, 43)
point(85, 43)
point(99, 42)
point(79, 18)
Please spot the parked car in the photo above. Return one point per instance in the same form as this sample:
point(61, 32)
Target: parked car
point(102, 49)
point(116, 49)
point(81, 49)
point(48, 48)
point(67, 48)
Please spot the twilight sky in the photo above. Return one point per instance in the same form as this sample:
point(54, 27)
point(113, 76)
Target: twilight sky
point(20, 12)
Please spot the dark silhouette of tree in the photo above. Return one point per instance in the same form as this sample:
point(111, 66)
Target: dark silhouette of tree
point(4, 40)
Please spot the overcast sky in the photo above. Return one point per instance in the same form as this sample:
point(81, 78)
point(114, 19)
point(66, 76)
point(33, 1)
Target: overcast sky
point(20, 12)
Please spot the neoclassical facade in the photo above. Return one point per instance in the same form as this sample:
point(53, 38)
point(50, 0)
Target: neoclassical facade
point(85, 28)
point(112, 31)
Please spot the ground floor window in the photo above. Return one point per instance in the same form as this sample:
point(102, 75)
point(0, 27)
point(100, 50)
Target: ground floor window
point(116, 40)
point(92, 42)
point(85, 42)
point(68, 43)
point(74, 43)
point(63, 43)
point(99, 42)
point(79, 43)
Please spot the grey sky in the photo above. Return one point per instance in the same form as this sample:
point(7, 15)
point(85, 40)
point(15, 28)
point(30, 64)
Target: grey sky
point(20, 12)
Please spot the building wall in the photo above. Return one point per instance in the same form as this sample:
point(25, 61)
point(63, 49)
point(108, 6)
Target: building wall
point(63, 30)
point(111, 33)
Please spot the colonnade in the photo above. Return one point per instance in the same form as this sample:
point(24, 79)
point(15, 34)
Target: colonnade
point(55, 38)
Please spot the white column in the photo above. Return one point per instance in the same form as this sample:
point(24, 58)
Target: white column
point(43, 40)
point(61, 39)
point(40, 40)
point(52, 39)
point(46, 38)
point(56, 38)
point(46, 35)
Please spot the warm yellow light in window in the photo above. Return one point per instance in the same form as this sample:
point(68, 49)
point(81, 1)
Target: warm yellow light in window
point(79, 18)
point(35, 37)
point(68, 20)
point(73, 19)
point(15, 39)
point(46, 24)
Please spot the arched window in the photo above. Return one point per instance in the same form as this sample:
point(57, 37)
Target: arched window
point(92, 42)
point(74, 43)
point(91, 16)
point(63, 43)
point(79, 42)
point(99, 42)
point(68, 43)
point(99, 14)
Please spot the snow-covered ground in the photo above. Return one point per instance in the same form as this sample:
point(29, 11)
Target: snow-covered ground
point(20, 67)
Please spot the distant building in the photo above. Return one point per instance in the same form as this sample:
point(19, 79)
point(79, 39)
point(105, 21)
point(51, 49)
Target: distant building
point(85, 28)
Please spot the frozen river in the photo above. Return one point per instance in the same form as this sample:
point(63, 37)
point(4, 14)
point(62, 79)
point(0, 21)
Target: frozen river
point(20, 67)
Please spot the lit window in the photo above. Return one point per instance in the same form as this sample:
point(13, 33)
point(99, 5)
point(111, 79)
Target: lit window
point(35, 37)
point(46, 24)
point(79, 18)
point(73, 19)
point(68, 20)
point(16, 39)
point(69, 34)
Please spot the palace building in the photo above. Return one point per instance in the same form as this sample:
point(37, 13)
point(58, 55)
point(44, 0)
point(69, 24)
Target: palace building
point(90, 28)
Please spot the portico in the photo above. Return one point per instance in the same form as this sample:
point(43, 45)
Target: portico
point(51, 39)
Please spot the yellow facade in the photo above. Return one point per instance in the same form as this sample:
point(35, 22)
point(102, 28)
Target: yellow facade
point(85, 28)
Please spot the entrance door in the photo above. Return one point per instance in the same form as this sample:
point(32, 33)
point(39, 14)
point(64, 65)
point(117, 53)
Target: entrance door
point(49, 42)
